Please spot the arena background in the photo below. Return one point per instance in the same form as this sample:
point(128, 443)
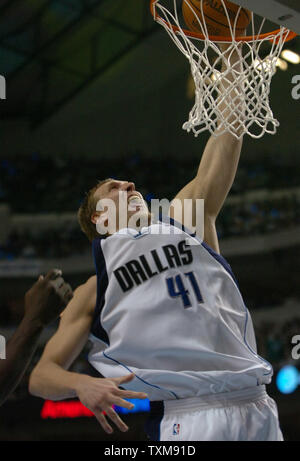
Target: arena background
point(96, 89)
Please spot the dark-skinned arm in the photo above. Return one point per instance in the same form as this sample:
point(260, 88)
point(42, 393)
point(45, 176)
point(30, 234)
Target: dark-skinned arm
point(43, 304)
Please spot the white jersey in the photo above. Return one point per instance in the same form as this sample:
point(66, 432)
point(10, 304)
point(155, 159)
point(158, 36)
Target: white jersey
point(172, 314)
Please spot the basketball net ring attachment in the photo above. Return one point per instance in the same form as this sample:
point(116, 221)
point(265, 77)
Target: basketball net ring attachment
point(252, 73)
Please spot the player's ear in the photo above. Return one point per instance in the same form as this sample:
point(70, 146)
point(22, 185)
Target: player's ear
point(101, 221)
point(95, 216)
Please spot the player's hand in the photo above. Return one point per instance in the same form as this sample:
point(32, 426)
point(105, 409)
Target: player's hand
point(100, 394)
point(47, 298)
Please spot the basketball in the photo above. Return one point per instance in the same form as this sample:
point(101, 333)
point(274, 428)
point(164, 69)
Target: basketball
point(215, 16)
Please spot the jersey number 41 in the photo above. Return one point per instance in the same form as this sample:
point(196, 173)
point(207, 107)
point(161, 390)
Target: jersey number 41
point(177, 288)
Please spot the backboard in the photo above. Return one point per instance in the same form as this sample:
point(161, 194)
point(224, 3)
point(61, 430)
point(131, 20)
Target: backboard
point(283, 12)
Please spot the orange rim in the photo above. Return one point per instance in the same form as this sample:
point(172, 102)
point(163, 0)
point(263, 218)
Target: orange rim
point(219, 38)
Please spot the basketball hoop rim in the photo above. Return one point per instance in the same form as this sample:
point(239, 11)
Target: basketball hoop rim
point(218, 38)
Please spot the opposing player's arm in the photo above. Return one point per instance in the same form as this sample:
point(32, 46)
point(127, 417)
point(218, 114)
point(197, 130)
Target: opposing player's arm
point(218, 164)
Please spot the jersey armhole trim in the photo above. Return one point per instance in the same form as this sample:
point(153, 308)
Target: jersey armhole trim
point(102, 283)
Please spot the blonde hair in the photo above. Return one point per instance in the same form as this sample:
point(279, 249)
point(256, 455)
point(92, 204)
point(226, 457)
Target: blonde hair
point(86, 209)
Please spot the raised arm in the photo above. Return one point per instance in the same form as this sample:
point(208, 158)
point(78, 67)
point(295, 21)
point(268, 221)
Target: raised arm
point(219, 161)
point(51, 379)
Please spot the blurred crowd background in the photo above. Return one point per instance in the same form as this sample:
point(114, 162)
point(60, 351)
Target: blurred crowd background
point(96, 90)
point(265, 198)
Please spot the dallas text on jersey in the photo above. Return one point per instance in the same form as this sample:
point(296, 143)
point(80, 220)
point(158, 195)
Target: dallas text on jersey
point(138, 271)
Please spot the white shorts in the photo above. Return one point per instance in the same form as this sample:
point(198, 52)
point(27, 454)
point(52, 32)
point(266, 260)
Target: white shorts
point(247, 415)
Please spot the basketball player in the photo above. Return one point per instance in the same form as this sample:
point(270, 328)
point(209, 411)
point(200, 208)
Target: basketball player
point(43, 303)
point(169, 312)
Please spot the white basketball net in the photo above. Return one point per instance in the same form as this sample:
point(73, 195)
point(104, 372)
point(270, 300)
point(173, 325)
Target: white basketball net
point(252, 75)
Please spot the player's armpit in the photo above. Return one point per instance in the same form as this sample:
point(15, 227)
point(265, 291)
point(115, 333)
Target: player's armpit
point(210, 234)
point(209, 225)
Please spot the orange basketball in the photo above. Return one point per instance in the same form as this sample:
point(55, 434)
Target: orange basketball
point(215, 17)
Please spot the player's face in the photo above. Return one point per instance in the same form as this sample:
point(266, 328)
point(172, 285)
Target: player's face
point(129, 203)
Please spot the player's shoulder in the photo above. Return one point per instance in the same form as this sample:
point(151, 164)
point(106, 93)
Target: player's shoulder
point(91, 283)
point(88, 285)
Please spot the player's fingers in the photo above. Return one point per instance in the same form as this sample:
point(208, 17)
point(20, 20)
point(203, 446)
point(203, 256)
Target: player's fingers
point(68, 295)
point(102, 420)
point(59, 284)
point(67, 298)
point(117, 420)
point(123, 403)
point(132, 395)
point(65, 291)
point(123, 379)
point(53, 274)
point(62, 289)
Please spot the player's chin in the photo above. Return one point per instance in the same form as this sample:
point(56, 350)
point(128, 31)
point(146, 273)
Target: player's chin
point(139, 218)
